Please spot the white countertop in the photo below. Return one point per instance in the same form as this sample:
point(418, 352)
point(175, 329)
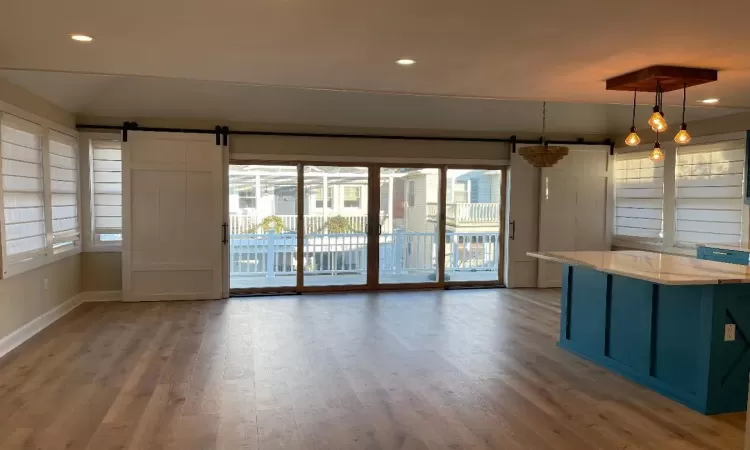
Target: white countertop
point(654, 267)
point(736, 248)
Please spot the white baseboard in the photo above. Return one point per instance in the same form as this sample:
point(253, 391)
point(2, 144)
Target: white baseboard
point(26, 332)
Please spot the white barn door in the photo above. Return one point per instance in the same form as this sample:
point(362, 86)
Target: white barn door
point(575, 197)
point(172, 217)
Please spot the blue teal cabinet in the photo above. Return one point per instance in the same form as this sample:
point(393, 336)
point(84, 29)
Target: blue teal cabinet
point(670, 338)
point(724, 255)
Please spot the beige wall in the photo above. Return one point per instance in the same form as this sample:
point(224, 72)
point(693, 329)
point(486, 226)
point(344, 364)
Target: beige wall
point(23, 297)
point(101, 271)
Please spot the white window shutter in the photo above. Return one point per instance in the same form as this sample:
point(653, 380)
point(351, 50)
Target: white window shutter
point(24, 228)
point(639, 197)
point(63, 162)
point(106, 172)
point(709, 193)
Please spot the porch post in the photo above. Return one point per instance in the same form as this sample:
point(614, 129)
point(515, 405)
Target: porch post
point(271, 254)
point(257, 200)
point(398, 250)
point(390, 204)
point(325, 199)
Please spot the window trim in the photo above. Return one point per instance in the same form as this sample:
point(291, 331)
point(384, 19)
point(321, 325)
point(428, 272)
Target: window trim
point(668, 244)
point(48, 255)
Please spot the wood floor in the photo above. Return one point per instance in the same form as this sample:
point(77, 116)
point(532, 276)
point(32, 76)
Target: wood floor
point(469, 369)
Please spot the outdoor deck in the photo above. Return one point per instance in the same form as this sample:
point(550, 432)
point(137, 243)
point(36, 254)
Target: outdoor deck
point(260, 281)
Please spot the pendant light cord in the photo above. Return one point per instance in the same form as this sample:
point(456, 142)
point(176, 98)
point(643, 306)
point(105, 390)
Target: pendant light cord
point(544, 120)
point(684, 97)
point(635, 94)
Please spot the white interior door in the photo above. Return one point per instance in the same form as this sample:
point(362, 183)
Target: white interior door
point(574, 198)
point(523, 222)
point(172, 216)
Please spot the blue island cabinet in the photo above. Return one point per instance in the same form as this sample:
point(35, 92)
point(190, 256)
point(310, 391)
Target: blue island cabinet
point(688, 342)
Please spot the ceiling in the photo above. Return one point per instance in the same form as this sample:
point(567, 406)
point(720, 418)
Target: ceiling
point(238, 58)
point(139, 97)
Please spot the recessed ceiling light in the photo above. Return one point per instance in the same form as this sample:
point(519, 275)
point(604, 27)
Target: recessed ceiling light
point(81, 38)
point(405, 62)
point(710, 101)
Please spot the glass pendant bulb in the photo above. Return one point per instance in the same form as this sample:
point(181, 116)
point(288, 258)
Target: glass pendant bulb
point(656, 118)
point(682, 137)
point(656, 154)
point(633, 139)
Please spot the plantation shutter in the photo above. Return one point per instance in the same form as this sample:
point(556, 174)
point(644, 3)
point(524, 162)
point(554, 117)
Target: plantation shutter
point(106, 169)
point(24, 230)
point(63, 163)
point(639, 197)
point(709, 195)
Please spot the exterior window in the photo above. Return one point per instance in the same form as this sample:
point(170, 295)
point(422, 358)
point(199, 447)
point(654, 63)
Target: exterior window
point(63, 161)
point(461, 192)
point(319, 198)
point(352, 197)
point(639, 197)
point(247, 198)
point(106, 187)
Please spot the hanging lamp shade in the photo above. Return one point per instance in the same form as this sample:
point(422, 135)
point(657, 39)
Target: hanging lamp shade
point(543, 155)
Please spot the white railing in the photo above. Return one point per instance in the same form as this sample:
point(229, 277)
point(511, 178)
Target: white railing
point(250, 224)
point(271, 254)
point(467, 213)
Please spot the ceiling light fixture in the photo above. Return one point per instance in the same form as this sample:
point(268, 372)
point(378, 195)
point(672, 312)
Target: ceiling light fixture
point(660, 79)
point(405, 62)
point(543, 155)
point(633, 139)
point(657, 120)
point(682, 136)
point(656, 154)
point(81, 38)
point(709, 101)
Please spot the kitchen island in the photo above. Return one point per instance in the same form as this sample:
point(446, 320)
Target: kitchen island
point(675, 324)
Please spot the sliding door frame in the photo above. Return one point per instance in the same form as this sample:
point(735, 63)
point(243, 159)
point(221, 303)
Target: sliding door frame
point(373, 236)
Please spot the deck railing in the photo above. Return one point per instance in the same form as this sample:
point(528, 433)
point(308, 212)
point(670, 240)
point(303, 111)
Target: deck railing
point(249, 224)
point(467, 213)
point(271, 254)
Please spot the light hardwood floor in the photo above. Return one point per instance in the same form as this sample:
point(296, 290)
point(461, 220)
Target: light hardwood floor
point(468, 369)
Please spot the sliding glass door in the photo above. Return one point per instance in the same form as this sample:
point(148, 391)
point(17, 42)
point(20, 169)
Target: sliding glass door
point(474, 249)
point(335, 234)
point(307, 227)
point(409, 225)
point(262, 226)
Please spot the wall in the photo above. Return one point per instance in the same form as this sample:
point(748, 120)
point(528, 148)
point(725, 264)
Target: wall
point(23, 297)
point(101, 271)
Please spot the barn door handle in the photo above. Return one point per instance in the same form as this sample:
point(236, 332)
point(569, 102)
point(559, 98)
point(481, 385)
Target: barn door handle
point(225, 228)
point(513, 230)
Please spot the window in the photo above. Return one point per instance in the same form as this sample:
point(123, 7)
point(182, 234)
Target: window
point(247, 198)
point(63, 163)
point(352, 197)
point(708, 193)
point(106, 189)
point(25, 232)
point(639, 194)
point(319, 197)
point(461, 192)
point(411, 197)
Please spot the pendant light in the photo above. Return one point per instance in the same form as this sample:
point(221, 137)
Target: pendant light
point(656, 154)
point(683, 137)
point(543, 155)
point(633, 139)
point(657, 121)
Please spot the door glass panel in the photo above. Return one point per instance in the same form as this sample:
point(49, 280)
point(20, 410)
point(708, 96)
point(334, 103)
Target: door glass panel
point(472, 224)
point(262, 226)
point(335, 233)
point(409, 219)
